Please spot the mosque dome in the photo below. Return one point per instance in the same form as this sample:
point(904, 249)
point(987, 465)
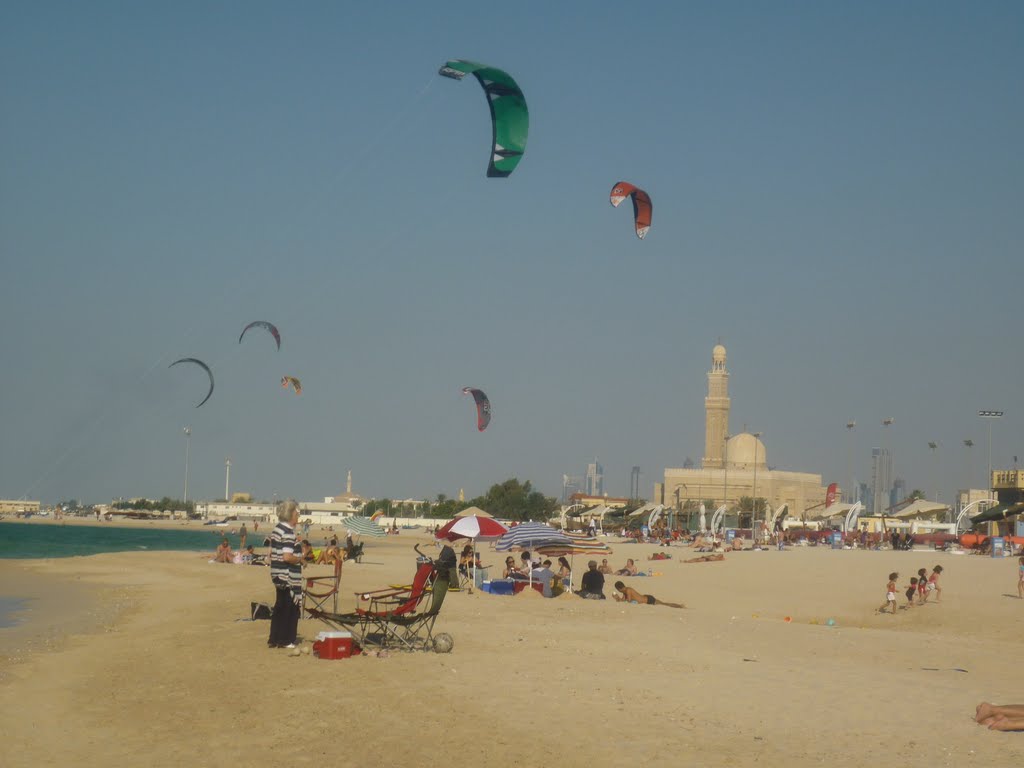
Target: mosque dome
point(744, 450)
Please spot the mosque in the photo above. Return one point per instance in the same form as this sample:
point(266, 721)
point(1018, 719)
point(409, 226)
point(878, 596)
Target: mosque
point(735, 466)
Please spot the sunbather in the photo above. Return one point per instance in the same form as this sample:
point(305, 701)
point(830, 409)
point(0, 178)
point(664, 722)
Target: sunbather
point(711, 558)
point(1003, 717)
point(629, 570)
point(329, 555)
point(629, 595)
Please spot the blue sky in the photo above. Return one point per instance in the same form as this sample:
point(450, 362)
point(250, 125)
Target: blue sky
point(837, 196)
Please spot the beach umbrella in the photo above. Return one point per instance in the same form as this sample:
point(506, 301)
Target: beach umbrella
point(530, 536)
point(473, 512)
point(363, 526)
point(472, 527)
point(578, 545)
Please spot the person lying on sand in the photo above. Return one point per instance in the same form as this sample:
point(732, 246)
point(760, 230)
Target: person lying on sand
point(714, 557)
point(1000, 717)
point(660, 556)
point(629, 595)
point(629, 570)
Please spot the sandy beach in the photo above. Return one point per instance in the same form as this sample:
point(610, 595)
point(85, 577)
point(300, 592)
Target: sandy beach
point(145, 658)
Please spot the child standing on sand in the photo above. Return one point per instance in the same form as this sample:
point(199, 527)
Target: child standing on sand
point(890, 594)
point(911, 591)
point(933, 583)
point(922, 586)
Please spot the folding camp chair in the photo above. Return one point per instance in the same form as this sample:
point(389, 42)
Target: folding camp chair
point(364, 622)
point(321, 589)
point(415, 631)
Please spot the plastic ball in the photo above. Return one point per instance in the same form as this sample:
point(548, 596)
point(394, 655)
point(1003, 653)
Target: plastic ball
point(831, 622)
point(788, 619)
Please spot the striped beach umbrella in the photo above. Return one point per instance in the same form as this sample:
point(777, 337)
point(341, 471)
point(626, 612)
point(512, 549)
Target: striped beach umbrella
point(577, 545)
point(530, 536)
point(363, 526)
point(471, 527)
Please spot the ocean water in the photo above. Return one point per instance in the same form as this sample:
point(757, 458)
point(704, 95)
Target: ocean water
point(27, 540)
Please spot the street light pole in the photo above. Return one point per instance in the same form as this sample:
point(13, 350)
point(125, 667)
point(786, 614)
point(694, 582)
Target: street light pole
point(725, 482)
point(188, 438)
point(849, 460)
point(990, 416)
point(227, 480)
point(753, 492)
point(892, 474)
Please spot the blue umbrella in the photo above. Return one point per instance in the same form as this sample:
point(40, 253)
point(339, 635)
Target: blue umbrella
point(531, 536)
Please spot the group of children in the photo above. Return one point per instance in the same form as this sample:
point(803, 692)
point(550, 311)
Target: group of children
point(920, 586)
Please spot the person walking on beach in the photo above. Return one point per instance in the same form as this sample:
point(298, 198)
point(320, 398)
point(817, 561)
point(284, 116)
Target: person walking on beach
point(922, 586)
point(933, 584)
point(911, 591)
point(1020, 579)
point(630, 595)
point(286, 574)
point(242, 535)
point(890, 594)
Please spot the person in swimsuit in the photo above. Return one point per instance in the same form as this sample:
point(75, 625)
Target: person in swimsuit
point(630, 595)
point(933, 583)
point(1020, 580)
point(922, 586)
point(911, 591)
point(890, 594)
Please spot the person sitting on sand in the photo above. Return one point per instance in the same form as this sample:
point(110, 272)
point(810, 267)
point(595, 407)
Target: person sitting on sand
point(592, 584)
point(307, 552)
point(511, 572)
point(630, 595)
point(713, 557)
point(224, 553)
point(629, 570)
point(545, 576)
point(329, 555)
point(605, 568)
point(564, 573)
point(466, 561)
point(1000, 717)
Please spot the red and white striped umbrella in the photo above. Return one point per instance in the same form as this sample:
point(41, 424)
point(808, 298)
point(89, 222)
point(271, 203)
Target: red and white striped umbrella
point(472, 527)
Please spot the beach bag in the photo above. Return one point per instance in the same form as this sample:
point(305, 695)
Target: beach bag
point(260, 611)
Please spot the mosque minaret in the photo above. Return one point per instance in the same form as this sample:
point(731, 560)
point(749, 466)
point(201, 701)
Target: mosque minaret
point(716, 410)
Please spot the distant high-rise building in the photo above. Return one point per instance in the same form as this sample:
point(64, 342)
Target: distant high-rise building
point(898, 492)
point(634, 483)
point(881, 479)
point(595, 479)
point(570, 485)
point(864, 493)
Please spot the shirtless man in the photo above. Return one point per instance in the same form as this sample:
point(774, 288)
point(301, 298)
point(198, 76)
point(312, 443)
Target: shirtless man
point(1006, 717)
point(630, 595)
